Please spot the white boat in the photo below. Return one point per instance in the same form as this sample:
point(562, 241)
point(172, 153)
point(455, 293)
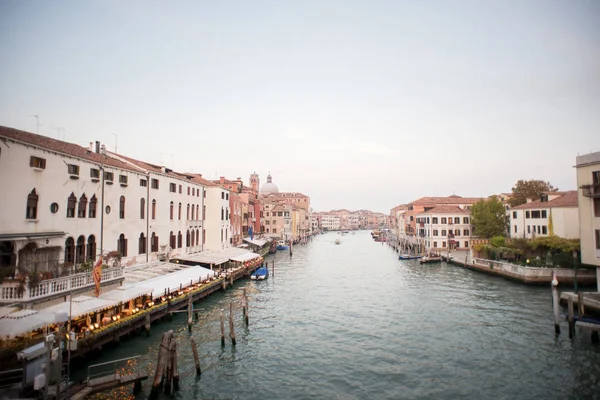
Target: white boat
point(337, 241)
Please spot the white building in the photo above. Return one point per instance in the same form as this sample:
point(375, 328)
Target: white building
point(77, 201)
point(353, 221)
point(444, 227)
point(588, 181)
point(555, 213)
point(217, 223)
point(330, 222)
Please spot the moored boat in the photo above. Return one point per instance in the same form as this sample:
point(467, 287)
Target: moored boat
point(408, 257)
point(260, 274)
point(430, 259)
point(281, 245)
point(337, 241)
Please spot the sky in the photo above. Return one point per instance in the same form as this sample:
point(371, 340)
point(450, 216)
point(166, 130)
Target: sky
point(357, 104)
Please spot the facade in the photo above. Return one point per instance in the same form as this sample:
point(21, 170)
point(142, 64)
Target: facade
point(217, 224)
point(444, 228)
point(588, 181)
point(555, 213)
point(330, 222)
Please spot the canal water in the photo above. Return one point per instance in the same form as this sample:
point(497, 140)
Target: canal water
point(351, 321)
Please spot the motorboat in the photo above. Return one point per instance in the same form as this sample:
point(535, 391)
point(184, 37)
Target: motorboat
point(281, 245)
point(430, 259)
point(337, 241)
point(260, 274)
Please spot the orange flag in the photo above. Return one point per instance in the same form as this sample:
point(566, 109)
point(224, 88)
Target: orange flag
point(97, 274)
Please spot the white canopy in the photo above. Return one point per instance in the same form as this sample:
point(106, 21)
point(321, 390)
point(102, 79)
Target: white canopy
point(215, 258)
point(79, 306)
point(126, 293)
point(173, 280)
point(257, 242)
point(24, 321)
point(245, 257)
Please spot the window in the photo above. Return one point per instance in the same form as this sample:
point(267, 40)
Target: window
point(122, 245)
point(197, 212)
point(528, 228)
point(203, 215)
point(179, 239)
point(544, 230)
point(179, 213)
point(193, 209)
point(109, 177)
point(71, 202)
point(82, 206)
point(153, 209)
point(153, 242)
point(91, 248)
point(154, 183)
point(536, 214)
point(444, 244)
point(193, 237)
point(179, 189)
point(274, 230)
point(227, 213)
point(122, 207)
point(197, 236)
point(544, 214)
point(443, 220)
point(172, 187)
point(204, 233)
point(172, 240)
point(32, 204)
point(144, 182)
point(514, 215)
point(142, 208)
point(527, 214)
point(95, 174)
point(597, 207)
point(268, 214)
point(516, 230)
point(434, 220)
point(222, 213)
point(466, 232)
point(226, 196)
point(223, 195)
point(142, 244)
point(69, 251)
point(457, 220)
point(187, 216)
point(457, 232)
point(597, 234)
point(189, 190)
point(443, 232)
point(187, 238)
point(435, 232)
point(123, 180)
point(80, 250)
point(73, 169)
point(93, 204)
point(54, 208)
point(434, 244)
point(36, 162)
point(465, 220)
point(171, 209)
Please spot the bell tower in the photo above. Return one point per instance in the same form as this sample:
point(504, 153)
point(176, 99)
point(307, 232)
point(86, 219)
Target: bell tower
point(254, 182)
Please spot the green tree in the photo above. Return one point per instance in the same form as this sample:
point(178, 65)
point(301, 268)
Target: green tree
point(488, 218)
point(529, 189)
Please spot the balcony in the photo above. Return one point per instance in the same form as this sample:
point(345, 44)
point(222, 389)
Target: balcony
point(591, 191)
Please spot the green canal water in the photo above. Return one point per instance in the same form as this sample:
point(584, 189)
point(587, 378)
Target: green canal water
point(351, 321)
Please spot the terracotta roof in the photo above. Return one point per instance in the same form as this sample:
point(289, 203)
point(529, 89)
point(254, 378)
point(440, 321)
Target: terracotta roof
point(568, 199)
point(446, 200)
point(445, 210)
point(66, 148)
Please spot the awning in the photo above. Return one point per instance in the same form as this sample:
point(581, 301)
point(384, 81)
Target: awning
point(24, 321)
point(172, 281)
point(257, 242)
point(126, 293)
point(245, 257)
point(214, 258)
point(79, 306)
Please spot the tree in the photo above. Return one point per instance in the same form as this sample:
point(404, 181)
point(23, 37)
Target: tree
point(529, 189)
point(488, 218)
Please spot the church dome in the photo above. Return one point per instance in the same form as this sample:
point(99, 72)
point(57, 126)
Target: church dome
point(269, 187)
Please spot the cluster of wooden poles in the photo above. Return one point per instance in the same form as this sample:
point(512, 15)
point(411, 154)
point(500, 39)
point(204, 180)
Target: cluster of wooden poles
point(167, 374)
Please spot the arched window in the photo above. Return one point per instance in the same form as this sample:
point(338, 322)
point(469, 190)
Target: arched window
point(179, 214)
point(93, 204)
point(142, 208)
point(142, 244)
point(204, 234)
point(71, 202)
point(153, 209)
point(179, 240)
point(172, 240)
point(171, 210)
point(32, 204)
point(193, 237)
point(226, 232)
point(122, 245)
point(122, 207)
point(197, 237)
point(193, 211)
point(187, 239)
point(222, 213)
point(69, 251)
point(82, 206)
point(203, 213)
point(227, 213)
point(91, 248)
point(197, 212)
point(80, 250)
point(221, 234)
point(153, 242)
point(188, 213)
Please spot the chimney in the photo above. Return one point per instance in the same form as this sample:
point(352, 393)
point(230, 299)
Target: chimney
point(103, 150)
point(97, 147)
point(222, 179)
point(91, 148)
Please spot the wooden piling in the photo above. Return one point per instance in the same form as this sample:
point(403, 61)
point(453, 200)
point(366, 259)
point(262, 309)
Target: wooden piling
point(196, 358)
point(163, 358)
point(147, 324)
point(222, 328)
point(174, 368)
point(190, 305)
point(580, 306)
point(231, 328)
point(245, 306)
point(555, 304)
point(571, 318)
point(273, 267)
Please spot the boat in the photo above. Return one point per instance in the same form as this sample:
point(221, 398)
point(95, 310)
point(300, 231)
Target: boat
point(281, 245)
point(273, 247)
point(430, 259)
point(337, 241)
point(260, 274)
point(408, 257)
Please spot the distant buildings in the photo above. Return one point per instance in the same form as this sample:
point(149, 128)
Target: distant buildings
point(350, 220)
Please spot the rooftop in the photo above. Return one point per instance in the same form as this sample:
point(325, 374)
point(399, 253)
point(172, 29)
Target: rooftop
point(445, 210)
point(568, 199)
point(587, 159)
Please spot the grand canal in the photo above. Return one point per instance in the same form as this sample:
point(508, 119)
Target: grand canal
point(351, 321)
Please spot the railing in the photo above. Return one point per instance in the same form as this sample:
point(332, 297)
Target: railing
point(592, 191)
point(118, 368)
point(20, 291)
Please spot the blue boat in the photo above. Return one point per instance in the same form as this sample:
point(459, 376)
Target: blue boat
point(260, 274)
point(408, 257)
point(281, 245)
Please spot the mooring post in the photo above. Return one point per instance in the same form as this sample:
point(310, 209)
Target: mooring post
point(163, 355)
point(273, 268)
point(231, 328)
point(231, 279)
point(222, 328)
point(245, 306)
point(147, 324)
point(580, 304)
point(190, 305)
point(174, 365)
point(571, 318)
point(555, 303)
point(196, 358)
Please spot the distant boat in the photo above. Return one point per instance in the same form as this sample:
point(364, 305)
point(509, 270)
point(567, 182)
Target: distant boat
point(408, 257)
point(260, 274)
point(281, 245)
point(430, 259)
point(337, 241)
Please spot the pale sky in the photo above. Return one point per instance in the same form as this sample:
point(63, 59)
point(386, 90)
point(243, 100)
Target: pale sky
point(358, 104)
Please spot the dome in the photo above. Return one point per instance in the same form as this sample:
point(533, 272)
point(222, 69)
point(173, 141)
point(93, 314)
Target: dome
point(269, 187)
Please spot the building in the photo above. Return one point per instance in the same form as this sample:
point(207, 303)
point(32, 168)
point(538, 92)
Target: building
point(588, 181)
point(555, 213)
point(330, 222)
point(444, 228)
